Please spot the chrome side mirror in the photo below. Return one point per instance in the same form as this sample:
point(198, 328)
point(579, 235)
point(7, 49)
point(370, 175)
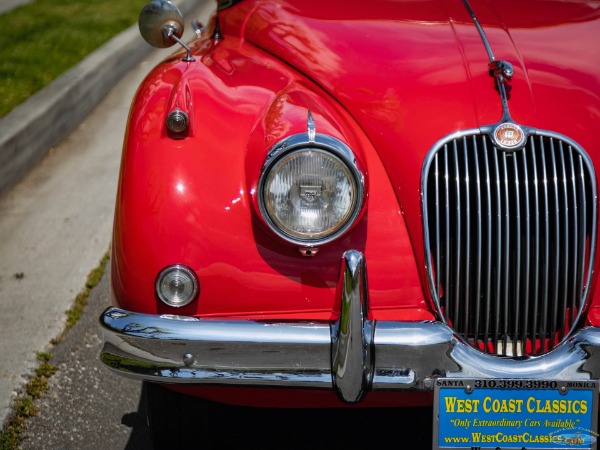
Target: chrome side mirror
point(159, 21)
point(161, 25)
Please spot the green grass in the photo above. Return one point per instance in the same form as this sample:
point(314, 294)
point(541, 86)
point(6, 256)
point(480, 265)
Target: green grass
point(43, 39)
point(25, 406)
point(94, 277)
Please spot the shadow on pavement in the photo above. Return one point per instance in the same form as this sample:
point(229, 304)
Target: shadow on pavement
point(288, 429)
point(139, 438)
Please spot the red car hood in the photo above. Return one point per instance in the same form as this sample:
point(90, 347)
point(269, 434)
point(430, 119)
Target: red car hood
point(413, 72)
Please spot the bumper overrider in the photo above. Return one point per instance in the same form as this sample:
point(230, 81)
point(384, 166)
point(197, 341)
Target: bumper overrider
point(352, 356)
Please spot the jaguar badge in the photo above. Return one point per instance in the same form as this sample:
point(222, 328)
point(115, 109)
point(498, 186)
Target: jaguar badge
point(509, 136)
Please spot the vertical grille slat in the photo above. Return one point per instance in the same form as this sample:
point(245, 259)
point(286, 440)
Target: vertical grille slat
point(546, 245)
point(557, 242)
point(458, 247)
point(575, 236)
point(438, 216)
point(488, 279)
point(467, 254)
point(495, 317)
point(527, 259)
point(582, 239)
point(566, 249)
point(506, 256)
point(536, 246)
point(517, 267)
point(510, 238)
point(447, 241)
point(478, 243)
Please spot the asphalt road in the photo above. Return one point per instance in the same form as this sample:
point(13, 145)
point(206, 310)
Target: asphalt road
point(87, 406)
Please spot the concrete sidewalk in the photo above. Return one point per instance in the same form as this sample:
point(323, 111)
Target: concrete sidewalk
point(55, 224)
point(9, 5)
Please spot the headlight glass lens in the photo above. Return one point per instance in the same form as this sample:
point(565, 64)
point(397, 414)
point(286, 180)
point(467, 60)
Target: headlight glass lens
point(176, 285)
point(309, 194)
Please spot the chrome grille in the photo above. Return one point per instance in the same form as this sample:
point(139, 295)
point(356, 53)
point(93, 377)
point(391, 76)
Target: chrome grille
point(509, 238)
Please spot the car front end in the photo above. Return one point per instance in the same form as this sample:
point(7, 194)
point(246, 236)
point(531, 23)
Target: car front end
point(366, 206)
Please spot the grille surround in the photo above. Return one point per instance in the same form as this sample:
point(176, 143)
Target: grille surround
point(526, 307)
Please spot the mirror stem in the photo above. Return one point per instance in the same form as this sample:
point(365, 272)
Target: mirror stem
point(169, 33)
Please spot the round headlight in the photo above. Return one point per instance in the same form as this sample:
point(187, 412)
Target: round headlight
point(176, 285)
point(310, 194)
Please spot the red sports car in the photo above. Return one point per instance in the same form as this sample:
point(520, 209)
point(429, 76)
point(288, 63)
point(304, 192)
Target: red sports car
point(383, 203)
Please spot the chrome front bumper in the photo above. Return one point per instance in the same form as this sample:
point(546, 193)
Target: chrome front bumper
point(351, 356)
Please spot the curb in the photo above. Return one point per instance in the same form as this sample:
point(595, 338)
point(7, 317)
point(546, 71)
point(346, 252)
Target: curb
point(29, 131)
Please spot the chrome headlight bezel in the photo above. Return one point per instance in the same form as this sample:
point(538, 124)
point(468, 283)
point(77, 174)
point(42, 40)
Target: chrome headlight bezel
point(333, 148)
